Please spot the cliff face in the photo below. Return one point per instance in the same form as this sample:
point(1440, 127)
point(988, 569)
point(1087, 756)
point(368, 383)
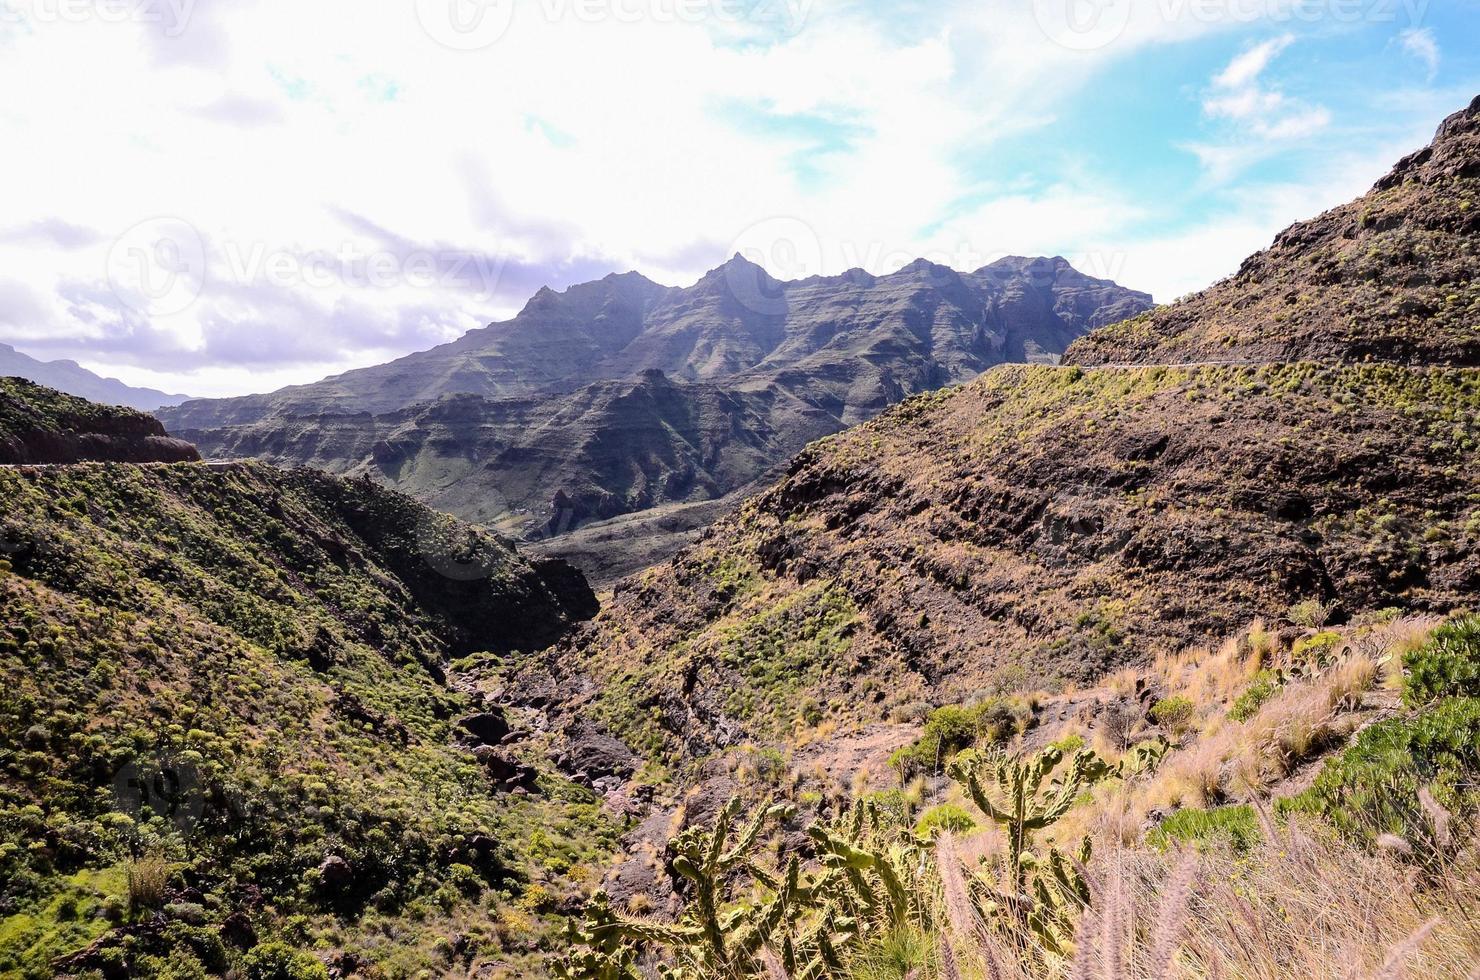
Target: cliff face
point(42, 426)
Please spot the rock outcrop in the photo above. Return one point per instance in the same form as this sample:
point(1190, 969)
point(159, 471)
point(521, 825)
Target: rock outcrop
point(41, 426)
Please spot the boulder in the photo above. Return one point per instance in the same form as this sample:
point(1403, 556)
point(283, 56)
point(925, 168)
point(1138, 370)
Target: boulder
point(597, 755)
point(336, 872)
point(484, 728)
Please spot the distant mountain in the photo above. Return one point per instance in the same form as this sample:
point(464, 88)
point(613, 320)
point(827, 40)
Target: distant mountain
point(1044, 525)
point(852, 342)
point(72, 378)
point(621, 395)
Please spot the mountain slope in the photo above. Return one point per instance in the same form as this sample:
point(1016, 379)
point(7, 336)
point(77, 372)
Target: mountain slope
point(1043, 525)
point(1392, 276)
point(237, 686)
point(72, 378)
point(39, 425)
point(621, 396)
point(555, 461)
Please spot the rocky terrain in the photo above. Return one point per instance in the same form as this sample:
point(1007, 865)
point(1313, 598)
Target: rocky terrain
point(562, 460)
point(39, 425)
point(73, 379)
point(1042, 525)
point(621, 396)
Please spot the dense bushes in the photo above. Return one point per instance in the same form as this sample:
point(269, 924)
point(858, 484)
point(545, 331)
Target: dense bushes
point(213, 682)
point(1446, 666)
point(1373, 787)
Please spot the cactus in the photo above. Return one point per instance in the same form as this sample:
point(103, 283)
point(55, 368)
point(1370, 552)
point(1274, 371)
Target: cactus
point(869, 878)
point(1042, 893)
point(718, 934)
point(1144, 757)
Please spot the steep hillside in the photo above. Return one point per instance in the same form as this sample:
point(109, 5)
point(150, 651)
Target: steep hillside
point(39, 425)
point(1043, 525)
point(552, 463)
point(1392, 276)
point(76, 380)
point(621, 396)
point(232, 735)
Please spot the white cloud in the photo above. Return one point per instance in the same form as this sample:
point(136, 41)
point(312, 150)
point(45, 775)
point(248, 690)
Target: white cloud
point(1244, 70)
point(1421, 44)
point(1258, 117)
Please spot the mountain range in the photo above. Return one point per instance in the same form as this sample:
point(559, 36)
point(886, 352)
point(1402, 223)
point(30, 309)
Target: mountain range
point(622, 396)
point(72, 378)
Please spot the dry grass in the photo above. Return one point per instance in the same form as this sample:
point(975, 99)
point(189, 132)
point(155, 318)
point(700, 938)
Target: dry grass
point(1302, 903)
point(1228, 760)
point(1212, 677)
point(148, 880)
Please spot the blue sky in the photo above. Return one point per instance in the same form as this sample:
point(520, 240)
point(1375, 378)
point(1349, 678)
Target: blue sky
point(266, 192)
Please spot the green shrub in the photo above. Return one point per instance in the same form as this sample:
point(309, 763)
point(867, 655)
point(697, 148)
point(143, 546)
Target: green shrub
point(1234, 825)
point(1174, 713)
point(1372, 787)
point(1070, 743)
point(954, 727)
point(1265, 685)
point(279, 961)
point(946, 816)
point(1312, 613)
point(1448, 665)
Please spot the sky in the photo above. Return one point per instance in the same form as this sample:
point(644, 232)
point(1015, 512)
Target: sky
point(217, 197)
